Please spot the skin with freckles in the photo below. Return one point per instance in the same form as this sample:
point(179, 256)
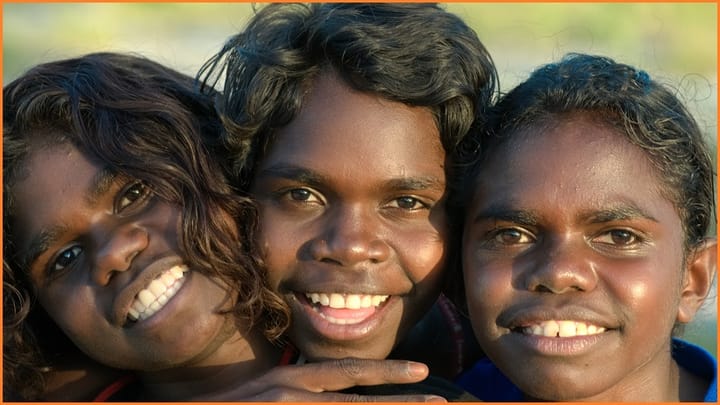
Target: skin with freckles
point(575, 268)
point(349, 210)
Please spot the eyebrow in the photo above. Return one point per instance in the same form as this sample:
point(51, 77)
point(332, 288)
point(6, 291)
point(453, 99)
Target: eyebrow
point(40, 243)
point(415, 183)
point(521, 217)
point(294, 173)
point(622, 212)
point(313, 178)
point(100, 184)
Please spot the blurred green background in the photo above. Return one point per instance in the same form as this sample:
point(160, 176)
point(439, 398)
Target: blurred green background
point(676, 43)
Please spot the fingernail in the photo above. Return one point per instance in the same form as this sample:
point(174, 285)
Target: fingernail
point(417, 369)
point(436, 399)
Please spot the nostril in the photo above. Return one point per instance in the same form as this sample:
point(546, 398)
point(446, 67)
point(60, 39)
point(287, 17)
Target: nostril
point(330, 261)
point(132, 256)
point(542, 289)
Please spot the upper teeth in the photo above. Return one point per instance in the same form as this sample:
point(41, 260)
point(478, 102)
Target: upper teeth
point(563, 329)
point(347, 301)
point(157, 294)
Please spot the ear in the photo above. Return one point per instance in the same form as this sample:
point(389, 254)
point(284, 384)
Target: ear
point(700, 270)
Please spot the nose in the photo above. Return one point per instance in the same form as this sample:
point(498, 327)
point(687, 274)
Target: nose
point(563, 267)
point(117, 252)
point(351, 235)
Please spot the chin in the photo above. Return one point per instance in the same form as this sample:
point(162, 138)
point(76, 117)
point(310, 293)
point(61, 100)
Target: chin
point(334, 352)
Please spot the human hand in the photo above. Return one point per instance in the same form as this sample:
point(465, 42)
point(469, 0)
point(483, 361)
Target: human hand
point(319, 382)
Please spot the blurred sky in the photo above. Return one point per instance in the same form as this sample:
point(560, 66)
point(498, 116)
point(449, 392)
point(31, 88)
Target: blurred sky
point(675, 43)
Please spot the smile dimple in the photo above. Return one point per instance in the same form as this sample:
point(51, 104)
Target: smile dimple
point(154, 297)
point(560, 328)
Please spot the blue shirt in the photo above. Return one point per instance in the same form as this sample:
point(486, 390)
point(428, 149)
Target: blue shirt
point(486, 382)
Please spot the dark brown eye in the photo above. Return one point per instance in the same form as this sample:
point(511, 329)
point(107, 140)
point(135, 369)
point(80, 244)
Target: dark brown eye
point(132, 194)
point(619, 238)
point(622, 237)
point(512, 236)
point(66, 258)
point(408, 203)
point(300, 194)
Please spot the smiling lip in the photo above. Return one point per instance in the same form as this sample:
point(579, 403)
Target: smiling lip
point(157, 294)
point(560, 329)
point(342, 316)
point(553, 337)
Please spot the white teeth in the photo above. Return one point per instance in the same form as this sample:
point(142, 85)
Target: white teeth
point(550, 329)
point(337, 301)
point(157, 293)
point(353, 301)
point(346, 301)
point(566, 328)
point(168, 279)
point(157, 288)
point(563, 329)
point(178, 271)
point(138, 306)
point(146, 297)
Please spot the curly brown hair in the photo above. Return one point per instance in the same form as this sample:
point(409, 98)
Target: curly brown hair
point(144, 121)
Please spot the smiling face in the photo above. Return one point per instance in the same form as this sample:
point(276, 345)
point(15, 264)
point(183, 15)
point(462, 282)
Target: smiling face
point(352, 220)
point(104, 258)
point(573, 265)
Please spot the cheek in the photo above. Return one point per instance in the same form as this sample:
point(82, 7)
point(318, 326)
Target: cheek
point(425, 255)
point(74, 311)
point(422, 247)
point(648, 289)
point(488, 287)
point(279, 247)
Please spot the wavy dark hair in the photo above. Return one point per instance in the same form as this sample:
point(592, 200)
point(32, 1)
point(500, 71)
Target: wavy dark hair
point(416, 54)
point(144, 121)
point(647, 113)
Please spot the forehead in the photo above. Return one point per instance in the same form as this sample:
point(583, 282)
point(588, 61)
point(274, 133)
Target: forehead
point(576, 157)
point(55, 178)
point(339, 127)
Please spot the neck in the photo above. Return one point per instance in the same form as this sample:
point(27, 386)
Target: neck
point(239, 359)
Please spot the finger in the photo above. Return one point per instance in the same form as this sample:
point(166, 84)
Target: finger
point(389, 398)
point(349, 372)
point(278, 394)
point(335, 375)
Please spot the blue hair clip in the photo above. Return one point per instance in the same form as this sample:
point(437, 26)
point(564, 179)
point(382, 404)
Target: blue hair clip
point(642, 78)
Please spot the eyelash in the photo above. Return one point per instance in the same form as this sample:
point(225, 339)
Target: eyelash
point(635, 238)
point(291, 193)
point(55, 262)
point(494, 236)
point(414, 206)
point(134, 203)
